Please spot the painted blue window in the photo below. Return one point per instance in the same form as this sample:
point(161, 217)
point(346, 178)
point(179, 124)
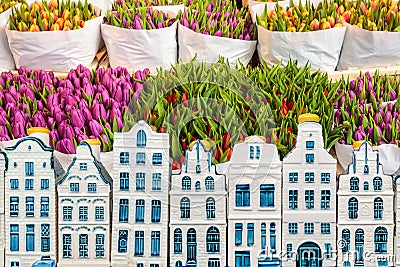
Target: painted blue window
point(44, 184)
point(30, 237)
point(15, 264)
point(309, 177)
point(258, 152)
point(44, 207)
point(30, 206)
point(267, 193)
point(140, 158)
point(366, 169)
point(309, 145)
point(74, 187)
point(44, 164)
point(353, 208)
point(250, 234)
point(238, 234)
point(293, 228)
point(346, 264)
point(213, 262)
point(382, 262)
point(83, 166)
point(155, 211)
point(14, 237)
point(124, 181)
point(198, 168)
point(243, 195)
point(325, 177)
point(309, 158)
point(197, 186)
point(346, 240)
point(140, 210)
point(354, 184)
point(377, 184)
point(359, 246)
point(83, 245)
point(139, 243)
point(366, 186)
point(251, 152)
point(29, 184)
point(293, 199)
point(67, 245)
point(186, 183)
point(157, 159)
point(141, 139)
point(328, 250)
point(325, 228)
point(83, 213)
point(29, 169)
point(15, 164)
point(272, 236)
point(123, 210)
point(92, 187)
point(293, 177)
point(185, 208)
point(45, 238)
point(209, 183)
point(378, 208)
point(14, 184)
point(210, 208)
point(123, 241)
point(308, 228)
point(191, 246)
point(325, 199)
point(156, 182)
point(178, 264)
point(14, 206)
point(213, 240)
point(99, 213)
point(380, 239)
point(124, 158)
point(263, 235)
point(178, 241)
point(289, 250)
point(140, 181)
point(155, 243)
point(242, 259)
point(100, 245)
point(67, 213)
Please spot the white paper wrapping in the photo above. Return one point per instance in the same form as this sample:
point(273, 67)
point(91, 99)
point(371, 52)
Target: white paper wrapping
point(389, 157)
point(209, 48)
point(6, 58)
point(366, 49)
point(104, 5)
point(171, 10)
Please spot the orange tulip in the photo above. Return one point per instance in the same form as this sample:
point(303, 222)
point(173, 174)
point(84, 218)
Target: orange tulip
point(34, 28)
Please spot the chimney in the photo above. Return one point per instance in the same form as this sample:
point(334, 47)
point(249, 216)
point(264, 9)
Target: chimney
point(41, 133)
point(308, 117)
point(95, 145)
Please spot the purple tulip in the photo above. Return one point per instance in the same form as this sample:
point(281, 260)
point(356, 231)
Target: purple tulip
point(38, 120)
point(18, 129)
point(99, 112)
point(393, 95)
point(218, 33)
point(65, 146)
point(95, 128)
point(359, 134)
point(60, 117)
point(82, 138)
point(65, 130)
point(77, 118)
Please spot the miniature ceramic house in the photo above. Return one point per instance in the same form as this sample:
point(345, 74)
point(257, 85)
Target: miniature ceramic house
point(254, 204)
point(309, 199)
point(30, 200)
point(365, 213)
point(3, 158)
point(140, 198)
point(198, 211)
point(84, 210)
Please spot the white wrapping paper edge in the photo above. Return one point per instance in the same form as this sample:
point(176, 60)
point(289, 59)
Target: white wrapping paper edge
point(365, 49)
point(6, 58)
point(389, 157)
point(209, 48)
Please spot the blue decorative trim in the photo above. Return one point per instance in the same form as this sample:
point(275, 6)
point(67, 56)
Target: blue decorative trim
point(99, 227)
point(75, 176)
point(99, 199)
point(82, 227)
point(67, 199)
point(30, 138)
point(83, 199)
point(67, 227)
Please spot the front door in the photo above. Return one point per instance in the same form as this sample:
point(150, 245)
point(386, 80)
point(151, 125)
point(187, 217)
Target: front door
point(309, 255)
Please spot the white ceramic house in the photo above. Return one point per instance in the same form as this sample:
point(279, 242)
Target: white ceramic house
point(30, 200)
point(365, 211)
point(3, 159)
point(84, 210)
point(309, 199)
point(198, 211)
point(140, 198)
point(254, 204)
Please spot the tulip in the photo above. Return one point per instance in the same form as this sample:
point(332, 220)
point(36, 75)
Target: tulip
point(65, 146)
point(95, 128)
point(99, 112)
point(18, 129)
point(77, 118)
point(65, 130)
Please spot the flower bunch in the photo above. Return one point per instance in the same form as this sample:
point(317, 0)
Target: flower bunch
point(52, 16)
point(144, 18)
point(300, 18)
point(6, 4)
point(219, 18)
point(130, 4)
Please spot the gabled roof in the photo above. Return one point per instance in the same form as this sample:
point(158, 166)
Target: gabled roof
point(30, 138)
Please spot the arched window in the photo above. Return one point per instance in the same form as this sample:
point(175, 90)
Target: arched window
point(378, 208)
point(272, 234)
point(185, 208)
point(366, 186)
point(263, 235)
point(209, 183)
point(178, 264)
point(141, 139)
point(380, 239)
point(359, 245)
point(377, 184)
point(213, 239)
point(353, 208)
point(198, 186)
point(191, 246)
point(346, 240)
point(178, 241)
point(210, 208)
point(186, 183)
point(354, 184)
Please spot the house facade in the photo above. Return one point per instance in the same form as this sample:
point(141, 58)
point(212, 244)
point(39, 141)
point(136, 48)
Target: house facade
point(198, 227)
point(3, 165)
point(141, 172)
point(254, 204)
point(365, 211)
point(309, 199)
point(84, 215)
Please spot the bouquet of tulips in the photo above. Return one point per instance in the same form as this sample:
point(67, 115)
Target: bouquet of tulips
point(5, 5)
point(6, 59)
point(131, 4)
